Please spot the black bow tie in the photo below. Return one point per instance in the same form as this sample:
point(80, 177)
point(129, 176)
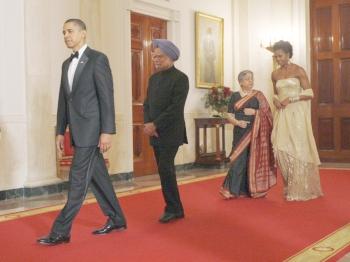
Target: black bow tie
point(74, 55)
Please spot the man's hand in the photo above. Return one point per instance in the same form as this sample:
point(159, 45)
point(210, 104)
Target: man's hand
point(60, 144)
point(150, 129)
point(105, 142)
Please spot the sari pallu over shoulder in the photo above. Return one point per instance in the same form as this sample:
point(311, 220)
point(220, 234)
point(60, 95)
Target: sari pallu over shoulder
point(262, 171)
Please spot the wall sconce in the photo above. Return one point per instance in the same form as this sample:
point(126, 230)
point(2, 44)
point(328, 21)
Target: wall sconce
point(269, 48)
point(268, 38)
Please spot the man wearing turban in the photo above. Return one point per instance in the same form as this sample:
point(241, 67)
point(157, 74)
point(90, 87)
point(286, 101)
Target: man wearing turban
point(164, 121)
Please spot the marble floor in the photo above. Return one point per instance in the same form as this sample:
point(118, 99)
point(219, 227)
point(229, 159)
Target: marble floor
point(16, 205)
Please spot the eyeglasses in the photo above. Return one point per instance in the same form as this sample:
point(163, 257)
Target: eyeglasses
point(157, 57)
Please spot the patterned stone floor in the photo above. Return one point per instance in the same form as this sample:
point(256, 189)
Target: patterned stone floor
point(23, 204)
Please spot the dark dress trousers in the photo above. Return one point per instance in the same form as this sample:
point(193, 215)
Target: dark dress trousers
point(164, 106)
point(88, 110)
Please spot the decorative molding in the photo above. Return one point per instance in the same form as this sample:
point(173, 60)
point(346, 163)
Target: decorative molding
point(156, 8)
point(16, 119)
point(62, 185)
point(189, 116)
point(47, 182)
point(58, 187)
point(128, 176)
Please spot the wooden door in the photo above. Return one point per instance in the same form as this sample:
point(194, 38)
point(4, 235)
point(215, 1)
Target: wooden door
point(330, 43)
point(143, 30)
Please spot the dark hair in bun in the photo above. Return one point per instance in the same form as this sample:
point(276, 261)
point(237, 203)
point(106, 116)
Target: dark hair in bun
point(285, 46)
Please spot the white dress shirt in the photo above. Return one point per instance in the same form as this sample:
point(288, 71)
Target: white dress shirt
point(73, 66)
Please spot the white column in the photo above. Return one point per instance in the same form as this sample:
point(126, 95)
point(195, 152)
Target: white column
point(301, 32)
point(116, 44)
point(43, 35)
point(13, 148)
point(41, 157)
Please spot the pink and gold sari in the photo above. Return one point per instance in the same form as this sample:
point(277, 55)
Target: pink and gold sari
point(261, 169)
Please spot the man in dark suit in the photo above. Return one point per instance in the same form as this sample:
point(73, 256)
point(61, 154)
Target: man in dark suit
point(164, 121)
point(86, 104)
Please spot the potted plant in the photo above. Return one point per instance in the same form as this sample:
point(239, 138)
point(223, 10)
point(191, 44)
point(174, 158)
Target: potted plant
point(217, 100)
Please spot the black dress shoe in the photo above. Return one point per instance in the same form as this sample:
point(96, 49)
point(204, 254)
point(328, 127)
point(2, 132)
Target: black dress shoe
point(108, 228)
point(167, 217)
point(53, 240)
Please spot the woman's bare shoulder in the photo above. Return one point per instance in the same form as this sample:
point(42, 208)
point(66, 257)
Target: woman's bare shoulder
point(275, 74)
point(298, 68)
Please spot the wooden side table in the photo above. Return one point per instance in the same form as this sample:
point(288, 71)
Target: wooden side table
point(205, 157)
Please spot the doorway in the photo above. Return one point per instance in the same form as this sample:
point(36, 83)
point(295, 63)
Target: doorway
point(143, 29)
point(330, 78)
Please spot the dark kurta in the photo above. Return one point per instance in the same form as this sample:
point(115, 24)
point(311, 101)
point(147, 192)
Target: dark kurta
point(164, 106)
point(236, 180)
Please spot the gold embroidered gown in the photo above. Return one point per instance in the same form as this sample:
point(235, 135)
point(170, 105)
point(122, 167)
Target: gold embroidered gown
point(294, 144)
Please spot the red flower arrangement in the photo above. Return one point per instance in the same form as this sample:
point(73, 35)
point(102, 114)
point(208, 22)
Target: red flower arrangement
point(218, 98)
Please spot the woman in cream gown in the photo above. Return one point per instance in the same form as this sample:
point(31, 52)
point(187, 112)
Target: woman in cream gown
point(292, 138)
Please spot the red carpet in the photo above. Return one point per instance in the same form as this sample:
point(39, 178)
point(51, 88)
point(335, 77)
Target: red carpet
point(246, 230)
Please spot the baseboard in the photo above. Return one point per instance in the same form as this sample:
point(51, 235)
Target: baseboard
point(63, 186)
point(51, 189)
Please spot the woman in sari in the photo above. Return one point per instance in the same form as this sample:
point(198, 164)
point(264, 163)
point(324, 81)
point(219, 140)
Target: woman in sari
point(252, 172)
point(292, 138)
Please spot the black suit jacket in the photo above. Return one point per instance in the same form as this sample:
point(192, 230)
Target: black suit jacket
point(89, 108)
point(164, 106)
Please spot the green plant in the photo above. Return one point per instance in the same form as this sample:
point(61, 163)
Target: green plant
point(218, 98)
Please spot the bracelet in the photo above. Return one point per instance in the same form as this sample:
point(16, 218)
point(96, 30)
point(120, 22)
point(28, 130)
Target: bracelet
point(294, 99)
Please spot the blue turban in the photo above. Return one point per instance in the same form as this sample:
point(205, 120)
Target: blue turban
point(167, 48)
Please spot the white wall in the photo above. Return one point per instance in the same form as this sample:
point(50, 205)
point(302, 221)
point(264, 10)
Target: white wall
point(115, 41)
point(33, 51)
point(13, 146)
point(45, 51)
point(257, 22)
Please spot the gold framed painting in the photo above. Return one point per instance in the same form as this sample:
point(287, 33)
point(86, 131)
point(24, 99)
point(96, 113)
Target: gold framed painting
point(209, 50)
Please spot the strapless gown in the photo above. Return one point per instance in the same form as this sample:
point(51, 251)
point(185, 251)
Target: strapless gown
point(294, 144)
